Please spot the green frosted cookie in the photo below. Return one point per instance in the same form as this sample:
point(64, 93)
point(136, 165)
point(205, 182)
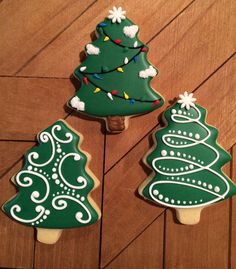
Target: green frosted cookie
point(186, 162)
point(54, 185)
point(115, 76)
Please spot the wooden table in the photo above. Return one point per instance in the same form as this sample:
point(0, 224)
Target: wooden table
point(193, 45)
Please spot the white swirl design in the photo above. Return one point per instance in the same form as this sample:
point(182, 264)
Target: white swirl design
point(27, 182)
point(44, 138)
point(16, 208)
point(195, 166)
point(80, 179)
point(68, 135)
point(62, 204)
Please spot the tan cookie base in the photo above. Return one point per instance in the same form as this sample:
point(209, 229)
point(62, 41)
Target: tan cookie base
point(189, 216)
point(48, 236)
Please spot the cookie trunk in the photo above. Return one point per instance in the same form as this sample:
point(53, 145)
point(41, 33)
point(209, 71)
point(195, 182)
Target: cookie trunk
point(116, 124)
point(48, 236)
point(189, 216)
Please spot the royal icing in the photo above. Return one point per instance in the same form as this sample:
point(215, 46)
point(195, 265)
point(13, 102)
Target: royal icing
point(149, 72)
point(130, 31)
point(91, 50)
point(116, 15)
point(187, 160)
point(117, 65)
point(53, 185)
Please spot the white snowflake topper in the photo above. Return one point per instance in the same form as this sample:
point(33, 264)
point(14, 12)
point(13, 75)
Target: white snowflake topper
point(186, 100)
point(116, 14)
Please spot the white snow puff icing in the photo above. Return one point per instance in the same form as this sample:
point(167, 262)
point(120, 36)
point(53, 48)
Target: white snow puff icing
point(149, 72)
point(130, 31)
point(92, 50)
point(76, 103)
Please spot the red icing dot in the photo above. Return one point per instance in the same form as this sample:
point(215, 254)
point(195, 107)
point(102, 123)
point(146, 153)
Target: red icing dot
point(114, 92)
point(85, 79)
point(143, 49)
point(156, 102)
point(118, 41)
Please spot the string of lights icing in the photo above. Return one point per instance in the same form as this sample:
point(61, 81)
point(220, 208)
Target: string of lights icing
point(117, 41)
point(126, 62)
point(113, 93)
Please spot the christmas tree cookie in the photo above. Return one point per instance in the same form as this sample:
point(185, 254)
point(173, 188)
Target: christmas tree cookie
point(115, 76)
point(54, 185)
point(186, 162)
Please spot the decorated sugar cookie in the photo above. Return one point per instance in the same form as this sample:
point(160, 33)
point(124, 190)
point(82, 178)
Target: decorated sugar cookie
point(54, 185)
point(186, 162)
point(115, 76)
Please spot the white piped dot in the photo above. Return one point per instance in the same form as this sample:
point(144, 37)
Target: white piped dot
point(163, 153)
point(30, 167)
point(166, 199)
point(57, 181)
point(210, 187)
point(172, 153)
point(197, 136)
point(54, 176)
point(160, 196)
point(58, 150)
point(217, 189)
point(173, 111)
point(191, 166)
point(155, 192)
point(47, 212)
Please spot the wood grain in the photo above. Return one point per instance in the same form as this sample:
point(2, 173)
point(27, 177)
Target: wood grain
point(123, 207)
point(52, 61)
point(232, 234)
point(16, 240)
point(11, 151)
point(201, 246)
point(28, 26)
point(146, 251)
point(29, 105)
point(122, 181)
point(78, 247)
point(186, 53)
point(193, 44)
